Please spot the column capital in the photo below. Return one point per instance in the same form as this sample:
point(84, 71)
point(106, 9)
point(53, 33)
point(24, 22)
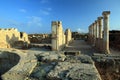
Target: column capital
point(96, 21)
point(93, 23)
point(100, 18)
point(105, 13)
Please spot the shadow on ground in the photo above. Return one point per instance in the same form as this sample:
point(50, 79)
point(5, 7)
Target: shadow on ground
point(7, 61)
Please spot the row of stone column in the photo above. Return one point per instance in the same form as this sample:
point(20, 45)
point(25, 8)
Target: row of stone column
point(99, 32)
point(59, 38)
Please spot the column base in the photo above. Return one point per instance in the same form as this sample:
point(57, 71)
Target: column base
point(107, 51)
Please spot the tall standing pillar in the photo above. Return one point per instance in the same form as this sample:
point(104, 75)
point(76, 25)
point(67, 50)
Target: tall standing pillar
point(90, 34)
point(94, 32)
point(92, 26)
point(54, 36)
point(93, 29)
point(100, 24)
point(100, 40)
point(106, 31)
point(96, 25)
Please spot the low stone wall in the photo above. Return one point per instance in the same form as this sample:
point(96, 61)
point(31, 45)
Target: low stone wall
point(22, 69)
point(7, 61)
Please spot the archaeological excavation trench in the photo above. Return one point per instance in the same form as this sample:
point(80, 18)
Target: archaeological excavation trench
point(7, 61)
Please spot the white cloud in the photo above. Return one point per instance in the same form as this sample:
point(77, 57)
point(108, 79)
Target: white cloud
point(80, 30)
point(46, 11)
point(34, 21)
point(23, 10)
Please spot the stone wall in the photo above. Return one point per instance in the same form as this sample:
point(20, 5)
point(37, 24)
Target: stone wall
point(11, 35)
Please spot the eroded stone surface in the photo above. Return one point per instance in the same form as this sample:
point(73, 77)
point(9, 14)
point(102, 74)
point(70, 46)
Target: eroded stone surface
point(23, 69)
point(74, 69)
point(42, 65)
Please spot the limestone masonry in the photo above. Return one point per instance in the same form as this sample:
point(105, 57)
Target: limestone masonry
point(9, 36)
point(59, 39)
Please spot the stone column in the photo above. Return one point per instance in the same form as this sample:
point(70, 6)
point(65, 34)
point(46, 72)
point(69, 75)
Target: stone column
point(94, 32)
point(100, 24)
point(90, 30)
point(96, 25)
point(54, 36)
point(89, 36)
point(92, 27)
point(57, 37)
point(68, 36)
point(106, 31)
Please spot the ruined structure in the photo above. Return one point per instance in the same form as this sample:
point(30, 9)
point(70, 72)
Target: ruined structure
point(96, 38)
point(58, 36)
point(68, 34)
point(40, 38)
point(8, 37)
point(106, 31)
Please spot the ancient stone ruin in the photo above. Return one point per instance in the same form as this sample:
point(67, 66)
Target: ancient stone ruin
point(40, 38)
point(68, 35)
point(8, 37)
point(59, 38)
point(97, 37)
point(61, 57)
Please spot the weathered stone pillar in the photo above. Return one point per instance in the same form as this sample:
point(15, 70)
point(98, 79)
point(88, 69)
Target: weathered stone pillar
point(68, 36)
point(92, 27)
point(94, 32)
point(100, 24)
point(96, 25)
point(90, 30)
point(106, 31)
point(89, 35)
point(54, 36)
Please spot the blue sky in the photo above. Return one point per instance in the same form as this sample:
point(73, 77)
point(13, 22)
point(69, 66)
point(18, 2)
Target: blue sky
point(35, 16)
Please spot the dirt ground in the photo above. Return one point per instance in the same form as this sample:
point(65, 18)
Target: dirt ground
point(106, 72)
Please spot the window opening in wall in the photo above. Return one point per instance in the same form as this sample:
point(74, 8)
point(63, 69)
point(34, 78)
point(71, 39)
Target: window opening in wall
point(21, 34)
